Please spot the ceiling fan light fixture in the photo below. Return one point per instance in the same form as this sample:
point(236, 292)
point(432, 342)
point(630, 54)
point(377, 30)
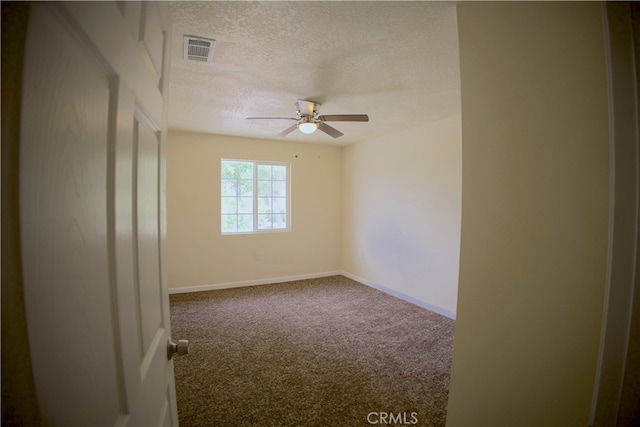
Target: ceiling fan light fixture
point(308, 127)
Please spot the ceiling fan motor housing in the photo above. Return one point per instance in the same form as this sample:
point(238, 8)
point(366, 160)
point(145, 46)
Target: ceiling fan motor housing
point(307, 108)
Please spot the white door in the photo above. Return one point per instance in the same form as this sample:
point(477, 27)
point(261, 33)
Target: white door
point(92, 211)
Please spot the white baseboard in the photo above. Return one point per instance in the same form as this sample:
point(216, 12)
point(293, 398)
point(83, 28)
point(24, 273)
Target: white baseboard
point(400, 295)
point(241, 284)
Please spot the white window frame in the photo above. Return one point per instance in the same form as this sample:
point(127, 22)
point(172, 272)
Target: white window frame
point(256, 230)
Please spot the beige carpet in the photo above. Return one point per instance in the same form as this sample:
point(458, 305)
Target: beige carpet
point(317, 352)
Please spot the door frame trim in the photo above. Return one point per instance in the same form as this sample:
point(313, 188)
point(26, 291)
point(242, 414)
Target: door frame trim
point(624, 223)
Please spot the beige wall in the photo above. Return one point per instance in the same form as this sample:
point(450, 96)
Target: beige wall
point(399, 228)
point(198, 253)
point(535, 198)
point(401, 212)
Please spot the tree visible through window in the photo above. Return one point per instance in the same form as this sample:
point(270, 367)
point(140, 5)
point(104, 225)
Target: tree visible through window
point(254, 196)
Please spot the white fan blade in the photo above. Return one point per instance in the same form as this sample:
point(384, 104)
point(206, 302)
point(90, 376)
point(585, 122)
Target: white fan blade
point(344, 118)
point(270, 118)
point(329, 130)
point(287, 131)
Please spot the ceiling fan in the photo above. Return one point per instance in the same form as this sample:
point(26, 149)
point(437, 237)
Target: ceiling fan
point(308, 119)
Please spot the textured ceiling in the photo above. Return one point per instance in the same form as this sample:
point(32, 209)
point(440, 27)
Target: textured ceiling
point(395, 61)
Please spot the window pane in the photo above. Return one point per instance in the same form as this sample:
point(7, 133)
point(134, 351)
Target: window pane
point(279, 173)
point(280, 221)
point(264, 172)
point(245, 205)
point(279, 204)
point(229, 205)
point(228, 170)
point(264, 188)
point(245, 187)
point(229, 188)
point(229, 223)
point(264, 221)
point(264, 205)
point(245, 223)
point(245, 170)
point(279, 188)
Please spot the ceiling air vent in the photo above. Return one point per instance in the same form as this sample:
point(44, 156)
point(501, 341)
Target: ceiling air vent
point(198, 49)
